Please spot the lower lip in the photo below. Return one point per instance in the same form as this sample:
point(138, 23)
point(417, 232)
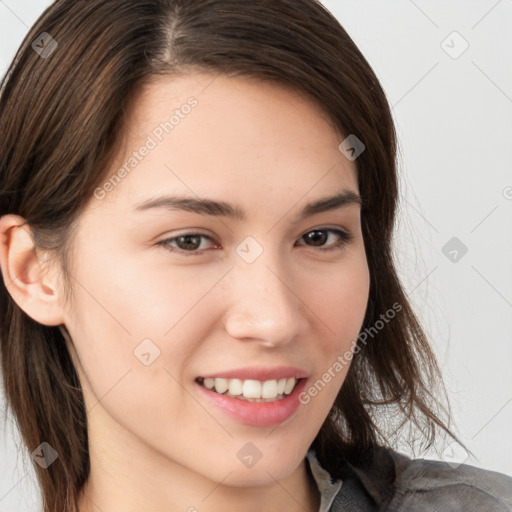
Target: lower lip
point(259, 414)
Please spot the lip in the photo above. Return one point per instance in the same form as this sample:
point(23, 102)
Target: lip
point(258, 414)
point(260, 373)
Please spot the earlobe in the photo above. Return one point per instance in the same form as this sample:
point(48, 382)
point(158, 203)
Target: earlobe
point(25, 276)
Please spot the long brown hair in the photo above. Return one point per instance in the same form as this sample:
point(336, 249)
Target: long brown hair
point(61, 115)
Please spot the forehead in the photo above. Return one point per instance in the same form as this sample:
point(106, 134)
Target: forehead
point(200, 131)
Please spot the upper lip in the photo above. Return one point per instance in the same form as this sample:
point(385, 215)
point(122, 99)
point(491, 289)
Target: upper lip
point(260, 373)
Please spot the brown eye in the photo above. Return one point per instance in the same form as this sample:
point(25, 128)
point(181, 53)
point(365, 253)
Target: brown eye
point(188, 244)
point(319, 237)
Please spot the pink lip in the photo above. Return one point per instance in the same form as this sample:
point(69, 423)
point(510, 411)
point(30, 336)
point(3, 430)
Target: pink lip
point(261, 373)
point(259, 414)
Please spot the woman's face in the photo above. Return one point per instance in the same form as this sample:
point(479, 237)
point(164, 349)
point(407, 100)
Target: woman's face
point(249, 302)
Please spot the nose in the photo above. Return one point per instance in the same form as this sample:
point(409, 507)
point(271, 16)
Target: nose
point(264, 306)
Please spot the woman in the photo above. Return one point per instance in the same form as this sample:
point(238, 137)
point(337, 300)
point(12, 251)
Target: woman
point(200, 306)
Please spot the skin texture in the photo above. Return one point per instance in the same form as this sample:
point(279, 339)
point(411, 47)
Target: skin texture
point(156, 443)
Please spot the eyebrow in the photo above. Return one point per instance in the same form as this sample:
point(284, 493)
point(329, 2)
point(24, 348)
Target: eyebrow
point(212, 207)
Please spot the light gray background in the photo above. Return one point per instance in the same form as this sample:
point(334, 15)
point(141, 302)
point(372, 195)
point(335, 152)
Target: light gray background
point(454, 122)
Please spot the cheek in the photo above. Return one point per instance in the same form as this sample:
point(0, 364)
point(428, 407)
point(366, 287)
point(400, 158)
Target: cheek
point(339, 300)
point(135, 327)
point(340, 304)
point(129, 369)
point(132, 298)
point(118, 324)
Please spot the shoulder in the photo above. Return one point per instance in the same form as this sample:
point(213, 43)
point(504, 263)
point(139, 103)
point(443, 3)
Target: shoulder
point(437, 485)
point(397, 483)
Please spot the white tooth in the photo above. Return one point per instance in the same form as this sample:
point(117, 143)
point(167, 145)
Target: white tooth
point(290, 384)
point(269, 389)
point(280, 386)
point(209, 383)
point(221, 385)
point(252, 389)
point(235, 387)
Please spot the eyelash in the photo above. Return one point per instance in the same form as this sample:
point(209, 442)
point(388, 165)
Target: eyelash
point(345, 238)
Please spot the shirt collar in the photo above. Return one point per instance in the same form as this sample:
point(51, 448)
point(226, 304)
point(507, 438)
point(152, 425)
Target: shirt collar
point(327, 485)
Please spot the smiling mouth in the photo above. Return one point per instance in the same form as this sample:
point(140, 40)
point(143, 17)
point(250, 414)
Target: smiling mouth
point(250, 390)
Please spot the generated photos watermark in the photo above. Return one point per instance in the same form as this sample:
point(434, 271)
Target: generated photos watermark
point(343, 360)
point(157, 135)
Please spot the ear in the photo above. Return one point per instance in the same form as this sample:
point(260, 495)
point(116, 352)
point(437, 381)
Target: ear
point(28, 279)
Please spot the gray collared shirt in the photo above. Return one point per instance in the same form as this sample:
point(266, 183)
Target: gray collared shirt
point(396, 483)
point(327, 485)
